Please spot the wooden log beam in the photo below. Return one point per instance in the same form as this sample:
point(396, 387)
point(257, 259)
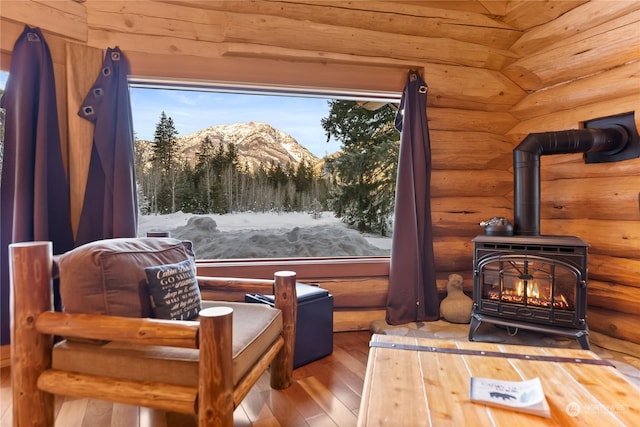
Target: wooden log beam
point(570, 166)
point(470, 205)
point(356, 293)
point(453, 253)
point(286, 300)
point(64, 18)
point(612, 238)
point(468, 23)
point(288, 73)
point(461, 216)
point(624, 271)
point(175, 333)
point(356, 320)
point(459, 183)
point(167, 397)
point(614, 296)
point(497, 123)
point(448, 84)
point(623, 326)
point(196, 31)
point(82, 66)
point(572, 119)
point(470, 150)
point(579, 56)
point(598, 87)
point(449, 87)
point(524, 15)
point(236, 284)
point(31, 294)
point(608, 198)
point(307, 269)
point(215, 379)
point(572, 23)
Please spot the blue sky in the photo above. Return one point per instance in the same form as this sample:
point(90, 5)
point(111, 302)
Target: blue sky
point(192, 111)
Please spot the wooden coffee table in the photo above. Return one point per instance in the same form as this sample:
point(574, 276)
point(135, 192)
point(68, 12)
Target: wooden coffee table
point(425, 382)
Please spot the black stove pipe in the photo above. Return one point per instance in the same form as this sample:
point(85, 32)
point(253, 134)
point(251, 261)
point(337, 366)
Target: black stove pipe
point(526, 166)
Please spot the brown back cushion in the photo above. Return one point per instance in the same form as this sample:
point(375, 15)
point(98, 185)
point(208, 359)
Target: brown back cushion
point(108, 276)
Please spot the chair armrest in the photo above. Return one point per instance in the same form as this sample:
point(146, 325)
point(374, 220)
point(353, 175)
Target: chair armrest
point(235, 288)
point(232, 288)
point(174, 333)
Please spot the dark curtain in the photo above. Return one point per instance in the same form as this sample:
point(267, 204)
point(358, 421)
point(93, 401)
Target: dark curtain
point(413, 294)
point(34, 191)
point(110, 202)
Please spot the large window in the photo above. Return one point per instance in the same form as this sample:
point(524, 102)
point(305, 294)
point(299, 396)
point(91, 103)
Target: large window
point(257, 173)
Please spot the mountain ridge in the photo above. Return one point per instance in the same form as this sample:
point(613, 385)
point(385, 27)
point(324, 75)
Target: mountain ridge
point(256, 143)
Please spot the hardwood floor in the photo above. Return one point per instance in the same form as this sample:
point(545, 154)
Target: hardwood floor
point(325, 393)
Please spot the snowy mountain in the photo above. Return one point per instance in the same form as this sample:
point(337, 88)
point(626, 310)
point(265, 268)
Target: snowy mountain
point(256, 143)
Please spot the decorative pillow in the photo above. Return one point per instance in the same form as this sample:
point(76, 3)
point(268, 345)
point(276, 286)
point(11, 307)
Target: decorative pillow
point(108, 277)
point(174, 291)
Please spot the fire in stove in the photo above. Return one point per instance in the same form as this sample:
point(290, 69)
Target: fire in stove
point(529, 283)
point(528, 293)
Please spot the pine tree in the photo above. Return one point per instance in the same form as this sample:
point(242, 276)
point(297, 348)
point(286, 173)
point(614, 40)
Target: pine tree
point(366, 167)
point(204, 174)
point(165, 157)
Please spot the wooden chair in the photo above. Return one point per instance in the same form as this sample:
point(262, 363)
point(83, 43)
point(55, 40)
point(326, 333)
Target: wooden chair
point(212, 396)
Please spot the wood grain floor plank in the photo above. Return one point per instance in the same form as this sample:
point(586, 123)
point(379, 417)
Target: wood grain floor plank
point(322, 420)
point(240, 418)
point(334, 408)
point(72, 412)
point(268, 422)
point(5, 397)
point(124, 416)
point(334, 381)
point(352, 363)
point(97, 413)
point(255, 405)
point(305, 405)
point(284, 410)
point(325, 393)
point(152, 418)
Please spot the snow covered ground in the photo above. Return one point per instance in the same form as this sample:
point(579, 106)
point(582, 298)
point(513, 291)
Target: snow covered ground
point(265, 235)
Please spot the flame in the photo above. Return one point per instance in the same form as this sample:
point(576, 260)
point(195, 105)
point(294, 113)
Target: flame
point(532, 289)
point(538, 295)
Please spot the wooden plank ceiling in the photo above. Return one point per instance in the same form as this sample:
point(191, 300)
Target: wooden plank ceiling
point(496, 35)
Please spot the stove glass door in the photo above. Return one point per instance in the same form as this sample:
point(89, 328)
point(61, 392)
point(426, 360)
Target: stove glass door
point(529, 281)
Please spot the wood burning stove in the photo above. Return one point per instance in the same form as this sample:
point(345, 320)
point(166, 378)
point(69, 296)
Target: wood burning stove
point(525, 280)
point(536, 283)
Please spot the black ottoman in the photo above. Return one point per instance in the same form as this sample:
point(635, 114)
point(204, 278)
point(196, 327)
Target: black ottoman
point(314, 326)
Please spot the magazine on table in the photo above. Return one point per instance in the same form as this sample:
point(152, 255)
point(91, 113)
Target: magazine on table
point(523, 396)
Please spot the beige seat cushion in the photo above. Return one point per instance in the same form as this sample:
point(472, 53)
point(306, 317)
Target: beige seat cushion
point(255, 328)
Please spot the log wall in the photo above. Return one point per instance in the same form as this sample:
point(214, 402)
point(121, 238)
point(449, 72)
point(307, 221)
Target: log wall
point(496, 70)
point(582, 66)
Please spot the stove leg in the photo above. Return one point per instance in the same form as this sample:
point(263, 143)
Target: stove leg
point(473, 327)
point(583, 340)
